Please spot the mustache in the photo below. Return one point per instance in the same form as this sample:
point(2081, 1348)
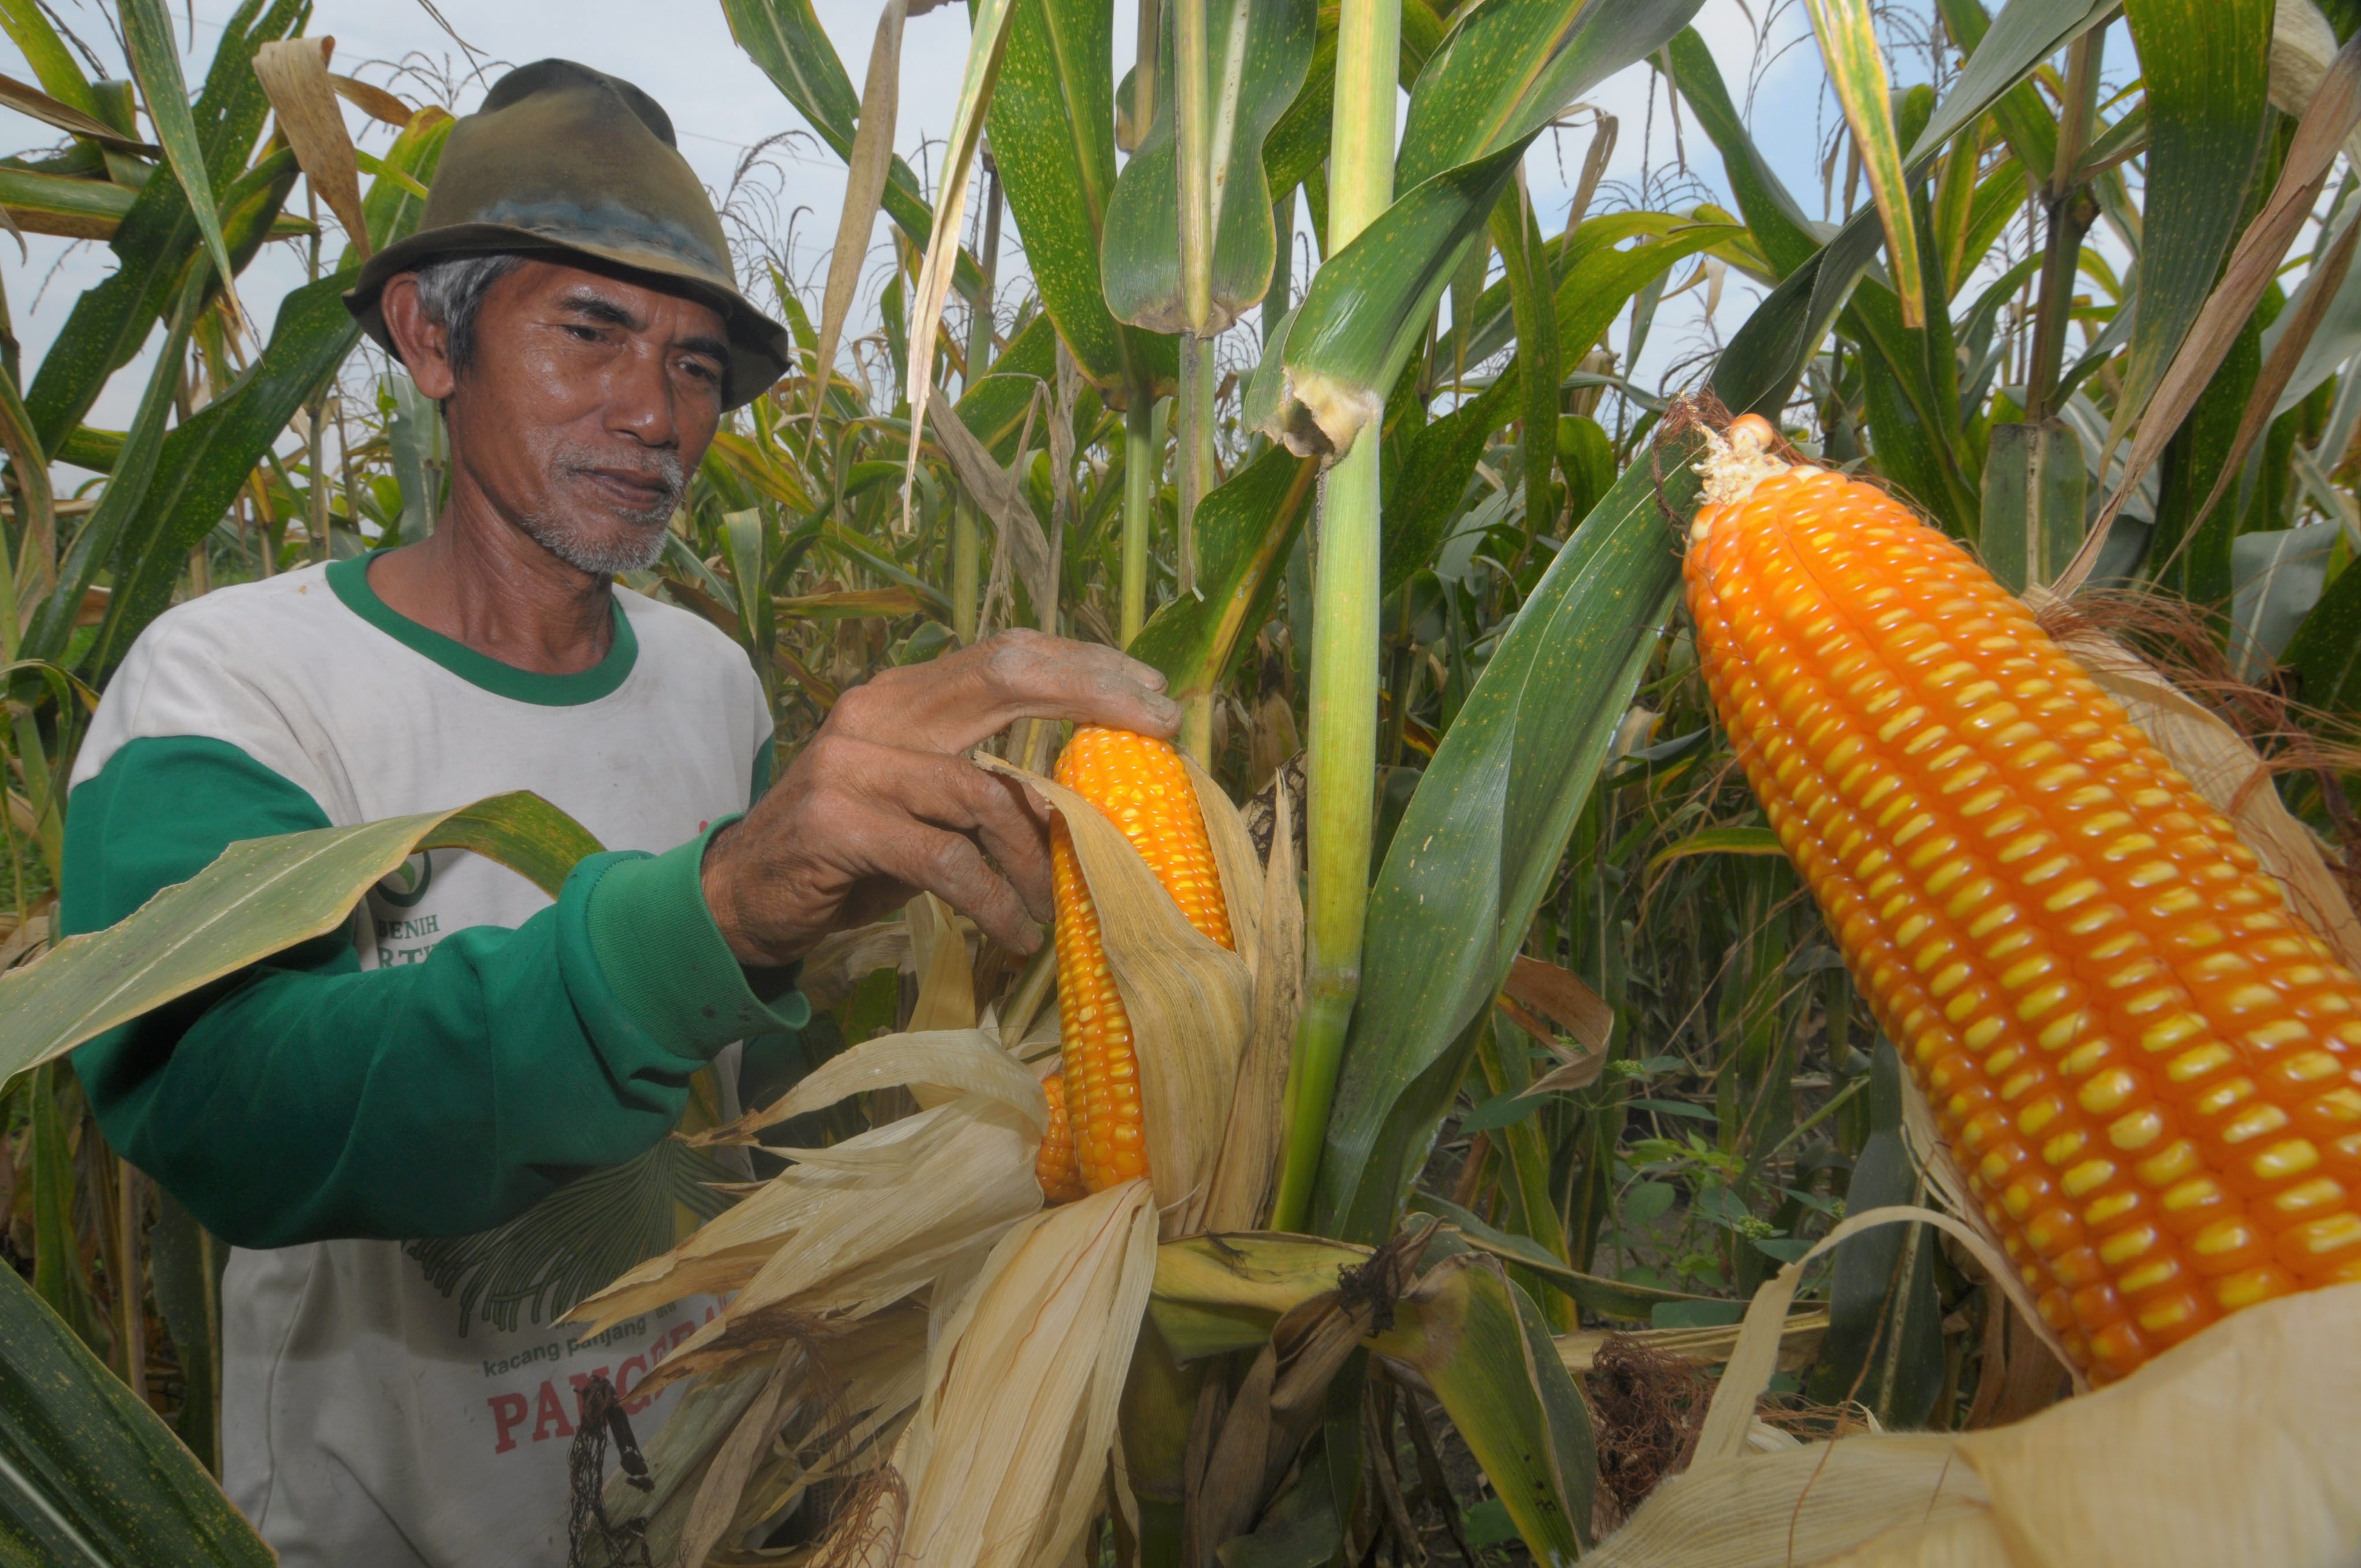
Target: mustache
point(662, 469)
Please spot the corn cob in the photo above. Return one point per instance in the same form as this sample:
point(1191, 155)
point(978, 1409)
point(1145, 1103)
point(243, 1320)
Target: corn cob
point(1140, 786)
point(1054, 1166)
point(2149, 1069)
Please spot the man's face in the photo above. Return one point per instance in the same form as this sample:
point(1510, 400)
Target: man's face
point(588, 402)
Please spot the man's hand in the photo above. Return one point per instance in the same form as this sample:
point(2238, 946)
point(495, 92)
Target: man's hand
point(881, 805)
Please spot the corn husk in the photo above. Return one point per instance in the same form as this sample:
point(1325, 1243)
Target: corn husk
point(1247, 1164)
point(1005, 1460)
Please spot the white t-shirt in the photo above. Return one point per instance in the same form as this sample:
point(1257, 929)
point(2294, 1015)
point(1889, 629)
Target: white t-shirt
point(363, 1425)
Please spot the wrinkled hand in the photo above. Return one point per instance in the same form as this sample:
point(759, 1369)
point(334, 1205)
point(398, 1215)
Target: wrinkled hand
point(881, 805)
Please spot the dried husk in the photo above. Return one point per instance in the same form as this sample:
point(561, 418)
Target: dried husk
point(2237, 1446)
point(1005, 1460)
point(1247, 1165)
point(885, 1213)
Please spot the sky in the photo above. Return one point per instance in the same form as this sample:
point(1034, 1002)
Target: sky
point(723, 107)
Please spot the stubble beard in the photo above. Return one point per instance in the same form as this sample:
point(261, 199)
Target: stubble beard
point(615, 542)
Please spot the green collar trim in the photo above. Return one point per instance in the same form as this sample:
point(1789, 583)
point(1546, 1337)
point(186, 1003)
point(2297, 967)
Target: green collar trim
point(349, 580)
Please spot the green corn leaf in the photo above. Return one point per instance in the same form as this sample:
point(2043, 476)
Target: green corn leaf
point(1052, 129)
point(1717, 842)
point(1482, 837)
point(1534, 311)
point(1367, 308)
point(111, 322)
point(1508, 67)
point(1245, 528)
point(2325, 652)
point(2206, 67)
point(1504, 71)
point(126, 488)
point(29, 100)
point(156, 61)
point(1778, 221)
point(993, 407)
point(205, 460)
point(1856, 67)
point(62, 205)
point(1820, 268)
point(261, 896)
point(1260, 51)
point(1426, 492)
point(28, 28)
point(785, 39)
point(1486, 1351)
point(89, 1474)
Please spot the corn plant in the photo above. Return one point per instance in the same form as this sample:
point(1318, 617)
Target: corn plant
point(1562, 1045)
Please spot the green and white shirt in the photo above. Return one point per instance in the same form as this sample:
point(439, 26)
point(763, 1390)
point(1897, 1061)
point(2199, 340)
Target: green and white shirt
point(463, 1051)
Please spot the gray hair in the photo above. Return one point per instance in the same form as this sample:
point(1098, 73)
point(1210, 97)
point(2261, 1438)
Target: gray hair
point(451, 293)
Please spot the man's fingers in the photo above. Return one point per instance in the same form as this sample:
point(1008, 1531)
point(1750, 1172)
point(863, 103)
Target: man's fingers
point(954, 794)
point(955, 871)
point(959, 700)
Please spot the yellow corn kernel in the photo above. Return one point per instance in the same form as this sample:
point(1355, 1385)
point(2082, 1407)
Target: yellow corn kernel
point(1053, 1165)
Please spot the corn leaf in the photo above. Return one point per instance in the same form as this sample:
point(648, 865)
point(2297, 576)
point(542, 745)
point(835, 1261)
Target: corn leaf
point(868, 161)
point(204, 460)
point(89, 1474)
point(126, 488)
point(1480, 838)
point(2205, 65)
point(1501, 74)
point(1856, 67)
point(294, 73)
point(1052, 129)
point(1820, 268)
point(64, 205)
point(1244, 528)
point(36, 539)
point(1508, 67)
point(1483, 1347)
point(2224, 327)
point(987, 41)
point(1298, 144)
point(156, 61)
point(27, 99)
point(1258, 51)
point(28, 28)
point(260, 897)
point(111, 322)
point(1719, 841)
point(785, 38)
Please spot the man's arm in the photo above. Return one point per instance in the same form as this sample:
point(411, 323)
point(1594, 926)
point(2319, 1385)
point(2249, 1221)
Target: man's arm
point(306, 1099)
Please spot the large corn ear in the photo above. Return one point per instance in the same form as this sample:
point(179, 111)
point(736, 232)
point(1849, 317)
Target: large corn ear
point(2146, 1064)
point(1139, 785)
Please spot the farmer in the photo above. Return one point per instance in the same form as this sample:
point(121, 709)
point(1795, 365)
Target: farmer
point(467, 1047)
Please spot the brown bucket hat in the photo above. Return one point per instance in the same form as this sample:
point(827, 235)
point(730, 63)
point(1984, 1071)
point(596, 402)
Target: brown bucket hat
point(564, 160)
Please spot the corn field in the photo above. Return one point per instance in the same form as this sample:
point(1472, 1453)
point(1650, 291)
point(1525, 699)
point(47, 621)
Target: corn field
point(1538, 1061)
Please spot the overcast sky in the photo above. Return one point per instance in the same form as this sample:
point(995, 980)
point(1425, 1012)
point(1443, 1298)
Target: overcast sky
point(723, 107)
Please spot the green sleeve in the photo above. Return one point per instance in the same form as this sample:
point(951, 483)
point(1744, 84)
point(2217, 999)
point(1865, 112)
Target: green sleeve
point(305, 1099)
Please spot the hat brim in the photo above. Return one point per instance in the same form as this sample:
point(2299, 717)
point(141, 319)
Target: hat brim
point(758, 346)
